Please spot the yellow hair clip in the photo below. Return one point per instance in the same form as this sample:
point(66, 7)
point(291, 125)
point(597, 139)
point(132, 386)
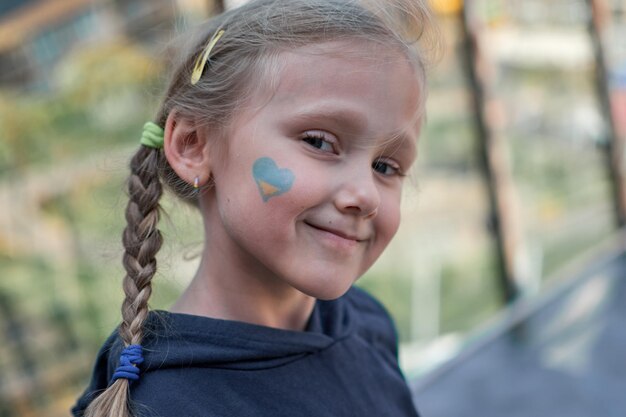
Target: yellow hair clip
point(198, 68)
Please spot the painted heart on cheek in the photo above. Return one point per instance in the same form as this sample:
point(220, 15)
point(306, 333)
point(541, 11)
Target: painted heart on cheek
point(271, 180)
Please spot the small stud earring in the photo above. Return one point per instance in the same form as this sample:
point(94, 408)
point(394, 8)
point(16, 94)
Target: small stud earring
point(196, 184)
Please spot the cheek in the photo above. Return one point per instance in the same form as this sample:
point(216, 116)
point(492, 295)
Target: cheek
point(388, 220)
point(237, 199)
point(263, 199)
point(307, 187)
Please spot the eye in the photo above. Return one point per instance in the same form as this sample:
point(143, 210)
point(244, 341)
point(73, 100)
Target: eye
point(320, 140)
point(386, 167)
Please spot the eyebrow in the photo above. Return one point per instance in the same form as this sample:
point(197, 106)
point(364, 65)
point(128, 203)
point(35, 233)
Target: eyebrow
point(339, 117)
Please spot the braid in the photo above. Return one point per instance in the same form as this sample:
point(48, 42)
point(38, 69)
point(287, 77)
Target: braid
point(142, 240)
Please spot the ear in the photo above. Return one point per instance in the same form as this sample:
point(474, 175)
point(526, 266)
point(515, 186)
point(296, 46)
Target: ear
point(186, 148)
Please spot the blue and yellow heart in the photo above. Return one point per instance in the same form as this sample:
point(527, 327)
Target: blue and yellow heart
point(270, 179)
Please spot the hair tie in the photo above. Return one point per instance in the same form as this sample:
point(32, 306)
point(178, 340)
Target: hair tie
point(130, 358)
point(152, 135)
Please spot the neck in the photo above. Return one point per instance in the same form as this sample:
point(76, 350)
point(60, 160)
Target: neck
point(232, 285)
point(243, 294)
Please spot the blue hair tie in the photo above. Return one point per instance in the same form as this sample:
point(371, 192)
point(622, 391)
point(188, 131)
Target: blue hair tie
point(130, 358)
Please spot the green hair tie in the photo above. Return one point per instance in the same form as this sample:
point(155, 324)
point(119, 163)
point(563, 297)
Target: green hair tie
point(152, 135)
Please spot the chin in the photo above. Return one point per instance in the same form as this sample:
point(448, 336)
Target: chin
point(327, 290)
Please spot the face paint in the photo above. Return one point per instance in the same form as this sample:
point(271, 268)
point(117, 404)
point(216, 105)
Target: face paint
point(271, 180)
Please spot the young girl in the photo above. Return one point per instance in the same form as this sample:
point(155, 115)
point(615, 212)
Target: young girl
point(291, 125)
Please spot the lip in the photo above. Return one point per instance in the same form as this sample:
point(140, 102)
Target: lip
point(338, 233)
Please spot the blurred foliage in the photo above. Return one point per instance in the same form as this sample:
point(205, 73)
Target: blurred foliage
point(394, 291)
point(88, 76)
point(96, 102)
point(24, 123)
point(470, 284)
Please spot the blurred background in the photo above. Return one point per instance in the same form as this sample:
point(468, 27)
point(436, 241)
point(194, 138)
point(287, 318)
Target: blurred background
point(506, 280)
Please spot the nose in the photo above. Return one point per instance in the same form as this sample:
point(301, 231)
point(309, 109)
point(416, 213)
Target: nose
point(358, 196)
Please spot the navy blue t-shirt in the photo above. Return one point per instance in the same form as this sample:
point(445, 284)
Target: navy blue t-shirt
point(343, 364)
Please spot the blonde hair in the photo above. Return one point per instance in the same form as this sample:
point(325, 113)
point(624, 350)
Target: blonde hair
point(255, 35)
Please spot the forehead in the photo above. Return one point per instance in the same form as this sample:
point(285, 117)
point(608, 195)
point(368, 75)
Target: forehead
point(346, 64)
point(375, 84)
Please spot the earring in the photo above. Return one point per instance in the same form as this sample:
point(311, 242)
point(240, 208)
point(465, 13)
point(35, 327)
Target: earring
point(196, 185)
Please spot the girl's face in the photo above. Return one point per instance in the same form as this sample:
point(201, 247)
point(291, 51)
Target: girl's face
point(308, 182)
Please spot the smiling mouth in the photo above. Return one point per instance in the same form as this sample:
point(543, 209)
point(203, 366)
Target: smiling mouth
point(337, 233)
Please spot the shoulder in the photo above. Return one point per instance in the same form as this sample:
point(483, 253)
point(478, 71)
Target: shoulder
point(375, 323)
